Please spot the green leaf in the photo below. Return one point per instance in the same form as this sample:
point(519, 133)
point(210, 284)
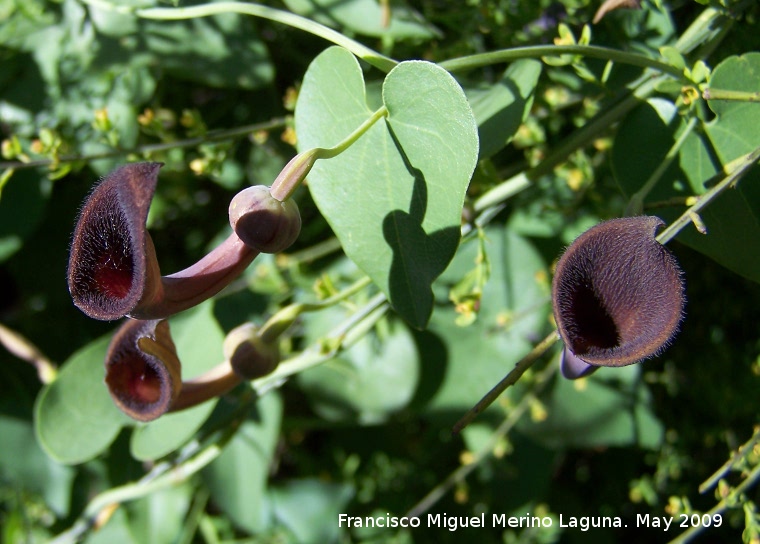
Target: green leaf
point(466, 362)
point(221, 50)
point(198, 338)
point(395, 197)
point(237, 479)
point(33, 471)
point(610, 408)
point(75, 418)
point(366, 17)
point(369, 381)
point(734, 132)
point(501, 108)
point(733, 219)
point(309, 508)
point(160, 516)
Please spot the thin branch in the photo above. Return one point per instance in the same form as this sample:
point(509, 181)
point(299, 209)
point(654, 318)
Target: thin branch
point(736, 456)
point(461, 473)
point(510, 379)
point(22, 348)
point(211, 136)
point(537, 51)
point(721, 507)
point(735, 170)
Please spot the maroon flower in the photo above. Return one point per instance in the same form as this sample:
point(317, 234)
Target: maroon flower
point(143, 373)
point(618, 296)
point(144, 376)
point(113, 270)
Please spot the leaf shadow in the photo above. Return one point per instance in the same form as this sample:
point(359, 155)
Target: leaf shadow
point(418, 257)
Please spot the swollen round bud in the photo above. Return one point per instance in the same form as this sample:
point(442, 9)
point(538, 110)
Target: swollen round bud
point(262, 222)
point(249, 355)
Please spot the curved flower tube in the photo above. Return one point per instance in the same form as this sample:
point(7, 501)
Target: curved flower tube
point(618, 296)
point(143, 373)
point(113, 270)
point(144, 377)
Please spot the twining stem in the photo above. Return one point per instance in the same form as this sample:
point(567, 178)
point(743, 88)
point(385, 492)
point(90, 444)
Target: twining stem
point(734, 170)
point(479, 60)
point(211, 136)
point(502, 430)
point(736, 456)
point(636, 204)
point(725, 94)
point(298, 168)
point(162, 476)
point(285, 317)
point(691, 532)
point(701, 33)
point(510, 379)
point(309, 254)
point(296, 21)
point(25, 350)
point(340, 338)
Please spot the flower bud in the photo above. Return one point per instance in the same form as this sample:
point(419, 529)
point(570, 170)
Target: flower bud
point(262, 222)
point(249, 355)
point(143, 373)
point(618, 296)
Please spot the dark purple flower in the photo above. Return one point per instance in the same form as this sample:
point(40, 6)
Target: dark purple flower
point(618, 296)
point(113, 270)
point(143, 373)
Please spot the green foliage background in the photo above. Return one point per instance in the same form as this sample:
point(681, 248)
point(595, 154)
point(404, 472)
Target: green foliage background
point(84, 88)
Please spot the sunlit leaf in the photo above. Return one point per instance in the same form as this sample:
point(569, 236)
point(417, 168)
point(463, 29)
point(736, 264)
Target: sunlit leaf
point(733, 219)
point(394, 198)
point(75, 418)
point(238, 477)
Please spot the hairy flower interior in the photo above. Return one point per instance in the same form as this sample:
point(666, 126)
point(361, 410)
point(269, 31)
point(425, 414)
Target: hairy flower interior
point(112, 258)
point(594, 326)
point(135, 381)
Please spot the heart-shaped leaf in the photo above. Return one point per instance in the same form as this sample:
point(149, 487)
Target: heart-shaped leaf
point(395, 197)
point(75, 418)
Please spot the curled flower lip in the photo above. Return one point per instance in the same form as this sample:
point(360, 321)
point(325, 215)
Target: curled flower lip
point(618, 296)
point(143, 373)
point(113, 270)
